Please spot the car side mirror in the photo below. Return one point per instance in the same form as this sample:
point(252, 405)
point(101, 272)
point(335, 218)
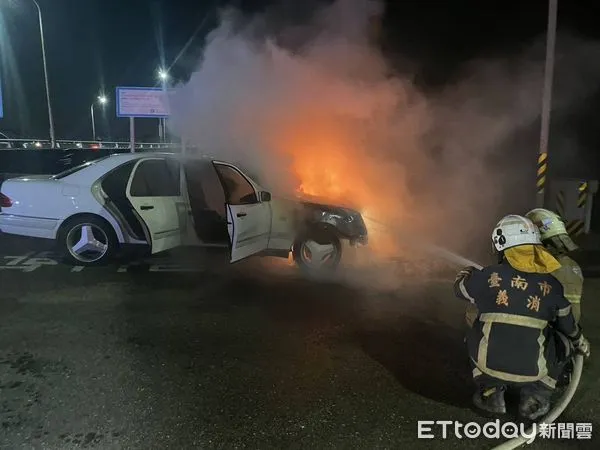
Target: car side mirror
point(265, 196)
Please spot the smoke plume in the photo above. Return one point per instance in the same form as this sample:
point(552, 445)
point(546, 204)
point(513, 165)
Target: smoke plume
point(317, 110)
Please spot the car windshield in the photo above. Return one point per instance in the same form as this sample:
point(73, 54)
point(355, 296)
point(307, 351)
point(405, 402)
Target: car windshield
point(72, 170)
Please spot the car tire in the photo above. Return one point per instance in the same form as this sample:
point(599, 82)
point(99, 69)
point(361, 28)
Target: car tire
point(87, 241)
point(303, 243)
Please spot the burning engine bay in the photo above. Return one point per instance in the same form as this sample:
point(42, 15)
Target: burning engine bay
point(316, 214)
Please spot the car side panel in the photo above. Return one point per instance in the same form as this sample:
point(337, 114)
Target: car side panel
point(28, 226)
point(42, 199)
point(39, 208)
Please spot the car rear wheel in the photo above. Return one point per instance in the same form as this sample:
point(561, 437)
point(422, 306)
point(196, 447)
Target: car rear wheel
point(87, 241)
point(317, 251)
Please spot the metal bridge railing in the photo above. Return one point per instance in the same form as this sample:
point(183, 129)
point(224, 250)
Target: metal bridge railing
point(32, 144)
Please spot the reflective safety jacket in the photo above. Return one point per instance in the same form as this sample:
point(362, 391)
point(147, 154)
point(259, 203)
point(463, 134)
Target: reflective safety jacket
point(571, 278)
point(508, 339)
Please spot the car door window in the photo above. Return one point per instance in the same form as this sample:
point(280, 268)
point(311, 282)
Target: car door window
point(115, 182)
point(238, 190)
point(156, 178)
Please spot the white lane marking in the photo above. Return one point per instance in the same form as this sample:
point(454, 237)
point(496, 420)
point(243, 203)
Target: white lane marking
point(16, 260)
point(26, 264)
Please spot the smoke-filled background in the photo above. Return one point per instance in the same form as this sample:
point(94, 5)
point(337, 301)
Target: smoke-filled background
point(313, 107)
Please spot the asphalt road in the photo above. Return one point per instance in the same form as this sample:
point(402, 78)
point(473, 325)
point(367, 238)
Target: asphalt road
point(186, 351)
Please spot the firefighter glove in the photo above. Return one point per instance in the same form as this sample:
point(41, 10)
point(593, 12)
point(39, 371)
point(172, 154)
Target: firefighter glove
point(582, 346)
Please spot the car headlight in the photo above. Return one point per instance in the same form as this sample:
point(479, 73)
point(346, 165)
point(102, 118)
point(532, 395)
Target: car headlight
point(342, 216)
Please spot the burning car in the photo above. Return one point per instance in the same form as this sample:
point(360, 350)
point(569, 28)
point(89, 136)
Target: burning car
point(165, 200)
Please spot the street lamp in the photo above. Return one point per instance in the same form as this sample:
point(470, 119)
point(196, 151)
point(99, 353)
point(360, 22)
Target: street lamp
point(50, 118)
point(163, 76)
point(43, 45)
point(102, 100)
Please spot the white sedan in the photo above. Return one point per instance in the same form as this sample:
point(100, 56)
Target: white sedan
point(164, 201)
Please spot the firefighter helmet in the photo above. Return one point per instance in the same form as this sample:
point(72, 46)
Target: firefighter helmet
point(549, 223)
point(552, 228)
point(513, 230)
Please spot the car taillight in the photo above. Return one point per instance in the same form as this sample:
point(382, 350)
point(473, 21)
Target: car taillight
point(5, 202)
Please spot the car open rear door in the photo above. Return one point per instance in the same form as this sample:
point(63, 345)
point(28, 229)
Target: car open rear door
point(248, 218)
point(154, 190)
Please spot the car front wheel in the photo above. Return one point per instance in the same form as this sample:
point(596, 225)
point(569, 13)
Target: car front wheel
point(87, 241)
point(317, 251)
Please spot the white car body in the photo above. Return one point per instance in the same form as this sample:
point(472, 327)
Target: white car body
point(40, 206)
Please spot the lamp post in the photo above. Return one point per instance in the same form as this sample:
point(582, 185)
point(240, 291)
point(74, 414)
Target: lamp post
point(50, 118)
point(102, 100)
point(542, 164)
point(163, 77)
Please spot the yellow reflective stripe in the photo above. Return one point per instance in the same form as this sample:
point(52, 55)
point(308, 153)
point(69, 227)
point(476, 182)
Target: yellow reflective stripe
point(548, 381)
point(511, 377)
point(513, 319)
point(464, 292)
point(489, 319)
point(573, 298)
point(477, 372)
point(542, 369)
point(483, 345)
point(564, 311)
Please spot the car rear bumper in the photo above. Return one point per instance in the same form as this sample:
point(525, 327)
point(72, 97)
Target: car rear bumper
point(28, 226)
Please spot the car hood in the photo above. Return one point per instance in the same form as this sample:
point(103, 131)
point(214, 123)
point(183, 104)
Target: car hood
point(325, 205)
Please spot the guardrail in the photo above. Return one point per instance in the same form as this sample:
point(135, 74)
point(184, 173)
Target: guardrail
point(48, 161)
point(37, 144)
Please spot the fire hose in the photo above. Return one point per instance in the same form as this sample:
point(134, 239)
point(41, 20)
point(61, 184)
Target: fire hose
point(575, 377)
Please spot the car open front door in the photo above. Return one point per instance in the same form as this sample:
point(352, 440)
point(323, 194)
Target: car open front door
point(248, 218)
point(154, 190)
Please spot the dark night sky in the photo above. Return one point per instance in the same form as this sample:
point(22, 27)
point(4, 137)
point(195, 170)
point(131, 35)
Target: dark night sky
point(95, 45)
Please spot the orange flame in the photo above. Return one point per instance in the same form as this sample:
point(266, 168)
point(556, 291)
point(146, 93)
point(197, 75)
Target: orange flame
point(330, 164)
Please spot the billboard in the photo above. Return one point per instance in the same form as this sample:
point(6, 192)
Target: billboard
point(142, 102)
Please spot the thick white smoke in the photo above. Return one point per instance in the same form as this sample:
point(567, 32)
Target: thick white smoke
point(328, 117)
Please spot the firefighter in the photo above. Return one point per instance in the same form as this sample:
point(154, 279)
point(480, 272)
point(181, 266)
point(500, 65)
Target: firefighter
point(525, 332)
point(556, 239)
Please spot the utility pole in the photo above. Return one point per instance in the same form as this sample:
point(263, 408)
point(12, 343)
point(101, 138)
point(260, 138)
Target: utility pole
point(50, 118)
point(542, 165)
point(93, 122)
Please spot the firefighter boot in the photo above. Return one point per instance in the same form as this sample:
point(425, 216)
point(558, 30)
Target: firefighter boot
point(565, 377)
point(491, 399)
point(534, 406)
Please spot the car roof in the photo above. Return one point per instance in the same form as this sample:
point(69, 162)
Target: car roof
point(100, 167)
point(123, 157)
